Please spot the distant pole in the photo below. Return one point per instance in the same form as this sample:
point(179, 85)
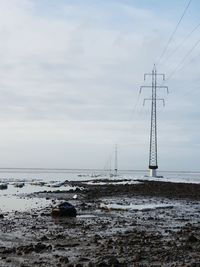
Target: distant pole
point(153, 152)
point(116, 161)
point(110, 165)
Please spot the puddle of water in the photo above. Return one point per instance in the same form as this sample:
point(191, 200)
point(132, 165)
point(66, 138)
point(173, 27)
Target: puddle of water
point(113, 183)
point(136, 207)
point(14, 203)
point(85, 216)
point(11, 199)
point(28, 189)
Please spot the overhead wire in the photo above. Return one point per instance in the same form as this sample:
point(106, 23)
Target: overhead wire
point(177, 68)
point(173, 33)
point(181, 43)
point(183, 66)
point(135, 105)
point(189, 91)
point(193, 89)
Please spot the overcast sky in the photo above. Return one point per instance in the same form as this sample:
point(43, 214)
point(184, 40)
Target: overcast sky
point(70, 73)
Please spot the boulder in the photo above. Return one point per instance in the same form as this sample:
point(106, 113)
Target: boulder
point(64, 209)
point(3, 186)
point(19, 185)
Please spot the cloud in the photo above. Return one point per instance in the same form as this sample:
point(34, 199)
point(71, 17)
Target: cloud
point(70, 73)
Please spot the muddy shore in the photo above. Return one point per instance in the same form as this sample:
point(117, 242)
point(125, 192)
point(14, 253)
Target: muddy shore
point(109, 230)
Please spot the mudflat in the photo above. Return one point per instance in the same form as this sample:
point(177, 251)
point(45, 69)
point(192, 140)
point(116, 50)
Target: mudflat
point(118, 224)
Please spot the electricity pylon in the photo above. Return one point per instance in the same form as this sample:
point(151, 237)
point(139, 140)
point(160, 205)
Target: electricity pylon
point(116, 161)
point(153, 153)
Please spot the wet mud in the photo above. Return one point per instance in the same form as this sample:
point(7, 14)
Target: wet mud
point(109, 229)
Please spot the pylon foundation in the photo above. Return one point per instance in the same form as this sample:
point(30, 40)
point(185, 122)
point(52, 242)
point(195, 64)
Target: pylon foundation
point(152, 173)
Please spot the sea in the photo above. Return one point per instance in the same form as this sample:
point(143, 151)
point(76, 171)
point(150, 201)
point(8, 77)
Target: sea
point(15, 198)
point(61, 175)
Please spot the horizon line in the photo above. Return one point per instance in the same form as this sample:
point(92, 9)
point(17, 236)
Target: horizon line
point(88, 169)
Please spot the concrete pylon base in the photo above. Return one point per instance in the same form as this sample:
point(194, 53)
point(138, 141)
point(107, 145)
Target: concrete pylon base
point(152, 173)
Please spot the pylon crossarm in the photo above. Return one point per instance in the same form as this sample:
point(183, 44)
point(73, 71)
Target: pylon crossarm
point(161, 74)
point(144, 86)
point(163, 86)
point(157, 86)
point(163, 100)
point(157, 99)
point(147, 74)
point(157, 74)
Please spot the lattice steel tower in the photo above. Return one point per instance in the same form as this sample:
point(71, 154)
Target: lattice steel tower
point(116, 161)
point(153, 153)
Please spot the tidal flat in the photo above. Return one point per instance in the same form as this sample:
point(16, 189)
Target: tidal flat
point(118, 223)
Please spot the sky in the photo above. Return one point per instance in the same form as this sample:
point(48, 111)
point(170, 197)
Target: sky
point(70, 73)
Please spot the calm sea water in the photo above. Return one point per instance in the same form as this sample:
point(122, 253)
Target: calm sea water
point(61, 175)
point(14, 198)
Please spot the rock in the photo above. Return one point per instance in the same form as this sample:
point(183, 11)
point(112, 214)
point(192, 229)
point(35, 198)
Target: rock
point(64, 209)
point(136, 257)
point(111, 261)
point(3, 186)
point(1, 216)
point(104, 207)
point(25, 249)
point(9, 250)
point(195, 264)
point(44, 238)
point(39, 247)
point(192, 239)
point(64, 259)
point(83, 259)
point(19, 185)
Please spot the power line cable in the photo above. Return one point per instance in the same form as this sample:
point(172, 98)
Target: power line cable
point(190, 91)
point(196, 88)
point(173, 33)
point(177, 68)
point(181, 43)
point(136, 104)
